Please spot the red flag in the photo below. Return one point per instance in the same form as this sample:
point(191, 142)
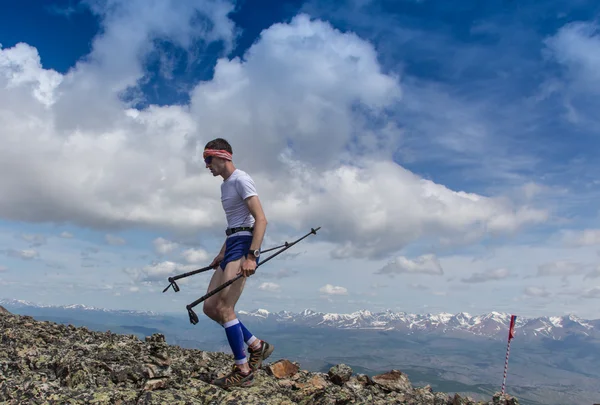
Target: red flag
point(511, 328)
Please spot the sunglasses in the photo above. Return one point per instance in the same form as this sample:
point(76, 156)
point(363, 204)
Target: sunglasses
point(208, 160)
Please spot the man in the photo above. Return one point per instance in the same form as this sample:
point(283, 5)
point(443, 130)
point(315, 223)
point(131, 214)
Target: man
point(246, 225)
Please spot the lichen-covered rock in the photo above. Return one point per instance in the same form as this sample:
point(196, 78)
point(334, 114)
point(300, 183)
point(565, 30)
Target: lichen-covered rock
point(48, 363)
point(340, 373)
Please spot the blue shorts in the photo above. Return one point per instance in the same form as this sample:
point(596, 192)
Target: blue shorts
point(236, 247)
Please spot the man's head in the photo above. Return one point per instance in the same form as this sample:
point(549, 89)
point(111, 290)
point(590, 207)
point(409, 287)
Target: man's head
point(218, 156)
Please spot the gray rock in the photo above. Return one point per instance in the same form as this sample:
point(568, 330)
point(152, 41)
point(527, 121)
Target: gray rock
point(340, 374)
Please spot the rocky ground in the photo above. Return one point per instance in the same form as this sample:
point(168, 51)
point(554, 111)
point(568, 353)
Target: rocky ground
point(48, 363)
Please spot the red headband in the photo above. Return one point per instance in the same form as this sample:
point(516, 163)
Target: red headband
point(217, 153)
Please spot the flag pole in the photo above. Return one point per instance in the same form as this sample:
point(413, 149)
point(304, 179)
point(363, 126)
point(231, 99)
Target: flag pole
point(511, 334)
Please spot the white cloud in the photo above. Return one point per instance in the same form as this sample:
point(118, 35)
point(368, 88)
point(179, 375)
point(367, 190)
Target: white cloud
point(329, 289)
point(425, 264)
point(536, 292)
point(98, 163)
point(163, 246)
point(66, 235)
point(20, 67)
point(195, 256)
point(114, 240)
point(482, 277)
point(3, 269)
point(585, 237)
point(577, 47)
point(157, 271)
point(25, 254)
point(271, 287)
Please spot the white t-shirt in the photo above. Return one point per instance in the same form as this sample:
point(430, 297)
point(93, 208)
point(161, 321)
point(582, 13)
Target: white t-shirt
point(234, 191)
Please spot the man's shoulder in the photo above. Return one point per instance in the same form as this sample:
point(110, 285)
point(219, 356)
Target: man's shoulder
point(241, 174)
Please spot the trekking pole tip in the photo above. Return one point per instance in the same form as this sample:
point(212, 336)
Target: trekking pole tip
point(171, 284)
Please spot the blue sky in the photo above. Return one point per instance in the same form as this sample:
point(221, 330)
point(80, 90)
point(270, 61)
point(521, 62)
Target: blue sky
point(447, 152)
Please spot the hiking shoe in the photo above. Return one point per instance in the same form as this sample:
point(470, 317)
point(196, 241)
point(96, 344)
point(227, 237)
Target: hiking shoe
point(235, 379)
point(257, 356)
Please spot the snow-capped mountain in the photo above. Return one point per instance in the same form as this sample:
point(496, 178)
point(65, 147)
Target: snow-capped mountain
point(22, 304)
point(494, 324)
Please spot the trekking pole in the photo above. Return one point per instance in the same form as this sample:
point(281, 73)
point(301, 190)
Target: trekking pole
point(276, 247)
point(189, 273)
point(194, 318)
point(173, 284)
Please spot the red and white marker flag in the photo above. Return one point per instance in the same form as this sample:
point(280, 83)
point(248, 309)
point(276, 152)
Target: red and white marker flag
point(511, 335)
point(511, 328)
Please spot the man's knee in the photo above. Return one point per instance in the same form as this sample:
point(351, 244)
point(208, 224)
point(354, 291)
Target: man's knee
point(211, 309)
point(217, 310)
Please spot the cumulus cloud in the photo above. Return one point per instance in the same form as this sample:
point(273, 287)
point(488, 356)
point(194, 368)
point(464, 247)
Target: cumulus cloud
point(163, 246)
point(271, 287)
point(329, 289)
point(98, 162)
point(425, 264)
point(195, 256)
point(157, 271)
point(482, 277)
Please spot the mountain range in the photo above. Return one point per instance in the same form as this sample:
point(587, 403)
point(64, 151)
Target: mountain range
point(492, 325)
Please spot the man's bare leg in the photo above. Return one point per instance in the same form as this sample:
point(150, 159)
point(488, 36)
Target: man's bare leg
point(221, 306)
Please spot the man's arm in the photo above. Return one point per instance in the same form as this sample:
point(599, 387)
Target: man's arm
point(260, 221)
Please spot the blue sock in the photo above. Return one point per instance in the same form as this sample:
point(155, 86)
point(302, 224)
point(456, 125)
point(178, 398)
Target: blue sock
point(236, 340)
point(248, 337)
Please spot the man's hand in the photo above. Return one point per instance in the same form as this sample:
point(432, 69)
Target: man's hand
point(217, 260)
point(248, 266)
